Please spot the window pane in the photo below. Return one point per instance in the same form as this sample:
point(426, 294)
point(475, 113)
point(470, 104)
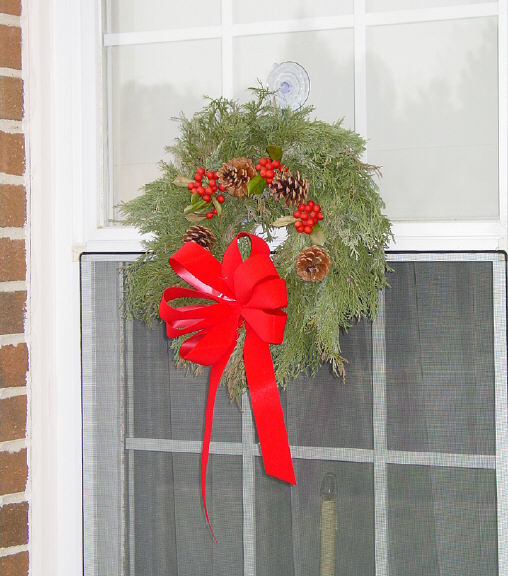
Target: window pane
point(167, 402)
point(432, 118)
point(245, 12)
point(151, 85)
point(170, 533)
point(327, 56)
point(442, 521)
point(145, 15)
point(382, 5)
point(288, 520)
point(440, 358)
point(343, 408)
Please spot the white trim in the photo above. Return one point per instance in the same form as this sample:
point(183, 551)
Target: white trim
point(227, 48)
point(360, 70)
point(503, 120)
point(501, 401)
point(55, 40)
point(380, 443)
point(249, 489)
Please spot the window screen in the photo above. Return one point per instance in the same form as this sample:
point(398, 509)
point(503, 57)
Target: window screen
point(414, 439)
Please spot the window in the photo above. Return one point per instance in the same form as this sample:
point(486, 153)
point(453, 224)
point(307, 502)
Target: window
point(72, 146)
point(422, 82)
point(415, 437)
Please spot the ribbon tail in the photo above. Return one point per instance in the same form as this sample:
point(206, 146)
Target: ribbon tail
point(267, 409)
point(213, 383)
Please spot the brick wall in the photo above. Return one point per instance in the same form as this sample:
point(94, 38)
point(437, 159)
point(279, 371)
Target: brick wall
point(13, 349)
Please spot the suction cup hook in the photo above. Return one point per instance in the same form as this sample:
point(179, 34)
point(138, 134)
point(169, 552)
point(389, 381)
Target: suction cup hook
point(291, 84)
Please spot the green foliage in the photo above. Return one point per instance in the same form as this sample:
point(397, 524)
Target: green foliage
point(355, 230)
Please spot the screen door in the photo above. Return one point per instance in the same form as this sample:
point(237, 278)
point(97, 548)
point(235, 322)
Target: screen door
point(413, 441)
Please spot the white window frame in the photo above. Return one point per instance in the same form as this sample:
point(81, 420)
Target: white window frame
point(63, 110)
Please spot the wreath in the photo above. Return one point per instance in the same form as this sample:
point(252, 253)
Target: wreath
point(255, 168)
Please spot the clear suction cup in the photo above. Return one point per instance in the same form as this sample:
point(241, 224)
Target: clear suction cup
point(291, 85)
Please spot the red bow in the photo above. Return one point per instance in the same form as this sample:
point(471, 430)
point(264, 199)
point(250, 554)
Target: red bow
point(246, 292)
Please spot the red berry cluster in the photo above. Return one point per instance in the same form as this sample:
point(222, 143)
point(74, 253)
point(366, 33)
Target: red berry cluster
point(308, 215)
point(206, 189)
point(266, 168)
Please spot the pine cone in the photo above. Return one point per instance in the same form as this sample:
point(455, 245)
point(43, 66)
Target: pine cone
point(201, 235)
point(313, 264)
point(292, 188)
point(235, 175)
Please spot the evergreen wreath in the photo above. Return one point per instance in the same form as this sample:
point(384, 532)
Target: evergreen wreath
point(241, 167)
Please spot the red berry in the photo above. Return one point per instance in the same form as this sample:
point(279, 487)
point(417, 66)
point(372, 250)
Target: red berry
point(312, 214)
point(275, 164)
point(269, 173)
point(320, 216)
point(317, 208)
point(211, 183)
point(283, 168)
point(310, 203)
point(258, 167)
point(209, 215)
point(207, 197)
point(201, 190)
point(190, 185)
point(263, 161)
point(198, 177)
point(308, 229)
point(269, 181)
point(262, 173)
point(297, 214)
point(200, 170)
point(308, 208)
point(301, 207)
point(209, 174)
point(221, 198)
point(222, 188)
point(311, 221)
point(299, 229)
point(304, 216)
point(214, 210)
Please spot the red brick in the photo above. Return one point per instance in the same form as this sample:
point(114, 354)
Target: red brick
point(10, 7)
point(12, 152)
point(11, 98)
point(13, 472)
point(13, 365)
point(14, 525)
point(12, 312)
point(12, 418)
point(12, 260)
point(10, 47)
point(12, 205)
point(14, 565)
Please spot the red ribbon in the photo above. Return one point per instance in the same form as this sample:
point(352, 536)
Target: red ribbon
point(248, 292)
